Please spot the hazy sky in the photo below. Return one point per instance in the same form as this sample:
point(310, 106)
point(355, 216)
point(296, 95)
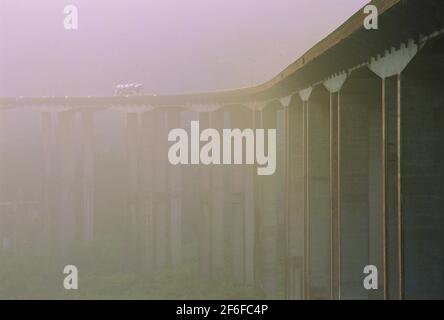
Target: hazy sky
point(169, 46)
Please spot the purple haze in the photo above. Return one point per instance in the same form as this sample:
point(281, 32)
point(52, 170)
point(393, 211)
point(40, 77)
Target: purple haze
point(169, 46)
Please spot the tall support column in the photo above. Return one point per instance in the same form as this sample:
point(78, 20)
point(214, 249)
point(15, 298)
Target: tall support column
point(273, 212)
point(305, 96)
point(296, 197)
point(391, 188)
point(334, 85)
point(66, 216)
point(133, 227)
point(147, 139)
point(2, 178)
point(233, 207)
point(318, 153)
point(205, 232)
point(280, 176)
point(249, 223)
point(335, 191)
point(162, 243)
point(217, 208)
point(175, 197)
point(240, 209)
point(360, 183)
point(227, 207)
point(234, 204)
point(48, 177)
point(236, 212)
point(285, 102)
point(6, 225)
point(389, 68)
point(259, 213)
point(267, 222)
point(420, 175)
point(87, 143)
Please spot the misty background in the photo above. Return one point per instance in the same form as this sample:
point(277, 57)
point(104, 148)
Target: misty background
point(169, 46)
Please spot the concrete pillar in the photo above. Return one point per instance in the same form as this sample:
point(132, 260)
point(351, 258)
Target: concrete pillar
point(217, 195)
point(334, 86)
point(239, 199)
point(420, 175)
point(133, 223)
point(147, 138)
point(389, 68)
point(87, 150)
point(296, 198)
point(233, 207)
point(235, 213)
point(6, 212)
point(175, 197)
point(213, 238)
point(335, 125)
point(66, 218)
point(392, 265)
point(49, 175)
point(154, 198)
point(305, 96)
point(280, 176)
point(360, 182)
point(191, 205)
point(227, 223)
point(162, 248)
point(318, 180)
point(240, 183)
point(249, 223)
point(272, 214)
point(205, 230)
point(2, 153)
point(259, 212)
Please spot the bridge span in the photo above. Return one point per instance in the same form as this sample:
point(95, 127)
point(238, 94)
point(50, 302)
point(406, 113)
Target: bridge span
point(359, 179)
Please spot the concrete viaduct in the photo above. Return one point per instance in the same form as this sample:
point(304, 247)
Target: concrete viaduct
point(359, 180)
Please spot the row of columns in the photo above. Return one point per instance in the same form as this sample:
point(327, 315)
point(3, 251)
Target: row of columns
point(337, 202)
point(242, 219)
point(242, 222)
point(355, 167)
point(153, 188)
point(154, 198)
point(67, 177)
